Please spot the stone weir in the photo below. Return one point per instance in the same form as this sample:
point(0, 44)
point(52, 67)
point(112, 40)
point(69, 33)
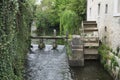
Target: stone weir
point(76, 58)
point(84, 46)
point(79, 51)
point(48, 64)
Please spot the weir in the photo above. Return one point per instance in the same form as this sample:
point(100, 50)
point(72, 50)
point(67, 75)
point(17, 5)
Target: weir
point(54, 64)
point(48, 64)
point(84, 46)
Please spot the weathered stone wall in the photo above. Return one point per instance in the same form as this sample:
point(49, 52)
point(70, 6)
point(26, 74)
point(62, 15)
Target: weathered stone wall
point(108, 25)
point(112, 23)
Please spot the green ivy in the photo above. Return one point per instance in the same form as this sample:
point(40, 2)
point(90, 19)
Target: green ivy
point(15, 22)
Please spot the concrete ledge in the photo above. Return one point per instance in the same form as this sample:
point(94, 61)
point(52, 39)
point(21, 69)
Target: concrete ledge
point(91, 56)
point(77, 54)
point(90, 51)
point(76, 63)
point(91, 44)
point(76, 46)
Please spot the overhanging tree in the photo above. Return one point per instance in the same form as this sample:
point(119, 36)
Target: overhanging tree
point(68, 22)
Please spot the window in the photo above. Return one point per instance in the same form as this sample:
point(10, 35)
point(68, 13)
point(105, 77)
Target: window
point(98, 9)
point(106, 8)
point(105, 29)
point(90, 11)
point(105, 39)
point(116, 7)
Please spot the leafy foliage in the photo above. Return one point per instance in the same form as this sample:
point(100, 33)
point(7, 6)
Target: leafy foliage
point(68, 22)
point(79, 6)
point(46, 17)
point(15, 21)
point(105, 56)
point(51, 14)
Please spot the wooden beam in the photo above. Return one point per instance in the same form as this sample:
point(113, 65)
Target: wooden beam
point(49, 37)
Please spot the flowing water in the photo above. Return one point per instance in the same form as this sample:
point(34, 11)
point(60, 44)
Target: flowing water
point(48, 64)
point(51, 64)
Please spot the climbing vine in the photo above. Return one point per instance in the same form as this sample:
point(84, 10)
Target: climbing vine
point(15, 21)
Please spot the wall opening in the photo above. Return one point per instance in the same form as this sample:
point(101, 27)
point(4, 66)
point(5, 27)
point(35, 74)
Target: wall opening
point(98, 9)
point(105, 39)
point(90, 12)
point(106, 8)
point(105, 29)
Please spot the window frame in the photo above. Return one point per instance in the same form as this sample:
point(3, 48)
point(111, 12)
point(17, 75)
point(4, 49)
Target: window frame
point(99, 8)
point(116, 13)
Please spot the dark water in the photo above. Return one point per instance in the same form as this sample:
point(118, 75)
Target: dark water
point(92, 70)
point(53, 65)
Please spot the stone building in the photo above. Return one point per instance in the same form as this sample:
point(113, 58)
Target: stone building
point(106, 13)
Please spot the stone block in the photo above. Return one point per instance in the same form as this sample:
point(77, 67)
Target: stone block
point(90, 51)
point(76, 58)
point(76, 46)
point(76, 40)
point(77, 54)
point(76, 62)
point(91, 56)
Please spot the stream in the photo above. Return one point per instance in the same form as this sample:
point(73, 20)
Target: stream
point(49, 64)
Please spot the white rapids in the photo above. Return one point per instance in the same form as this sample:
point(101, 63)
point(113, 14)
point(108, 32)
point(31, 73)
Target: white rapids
point(48, 64)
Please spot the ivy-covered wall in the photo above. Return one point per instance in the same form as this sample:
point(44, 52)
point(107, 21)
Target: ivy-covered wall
point(15, 22)
point(110, 60)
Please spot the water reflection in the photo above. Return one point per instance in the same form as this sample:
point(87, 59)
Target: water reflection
point(93, 70)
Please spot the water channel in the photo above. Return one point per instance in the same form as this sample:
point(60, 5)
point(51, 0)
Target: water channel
point(92, 70)
point(49, 64)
